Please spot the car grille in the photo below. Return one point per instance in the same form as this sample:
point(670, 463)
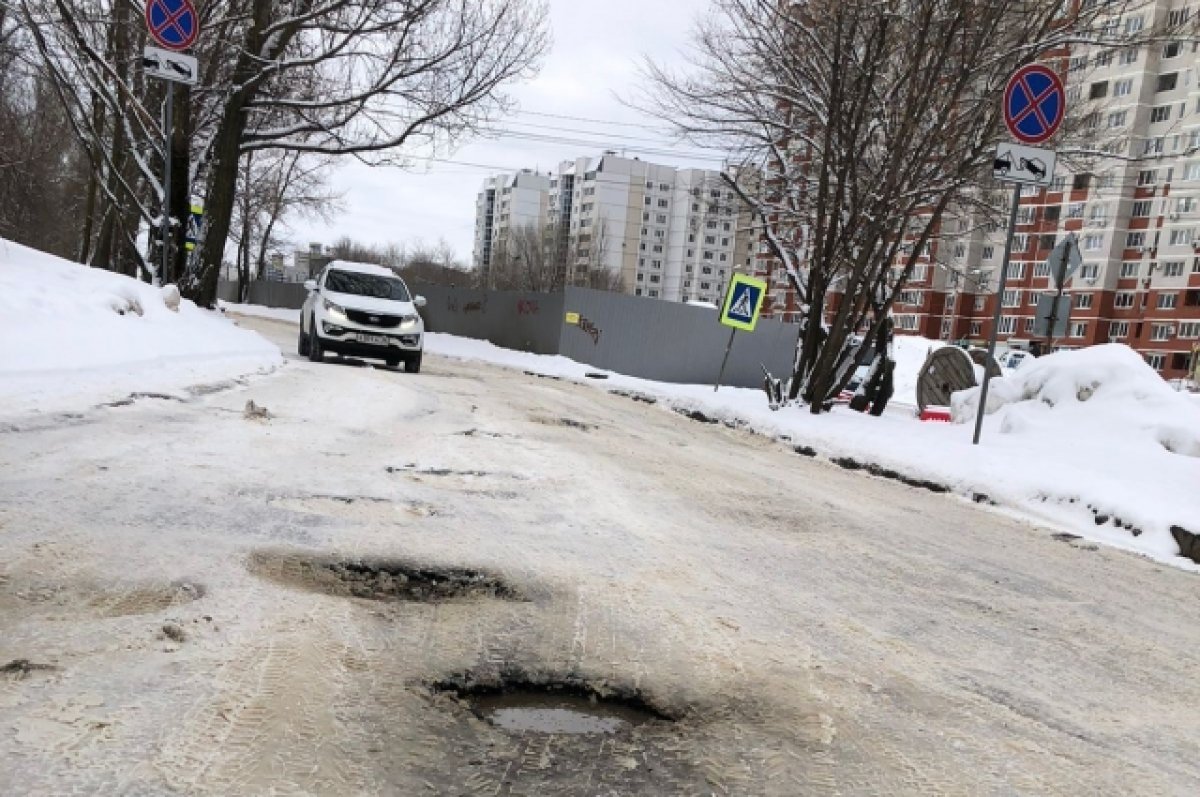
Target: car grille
point(373, 319)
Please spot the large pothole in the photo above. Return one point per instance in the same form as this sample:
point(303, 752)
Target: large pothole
point(380, 579)
point(522, 705)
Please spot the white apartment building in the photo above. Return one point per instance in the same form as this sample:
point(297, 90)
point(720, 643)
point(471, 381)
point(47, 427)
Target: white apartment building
point(668, 233)
point(507, 202)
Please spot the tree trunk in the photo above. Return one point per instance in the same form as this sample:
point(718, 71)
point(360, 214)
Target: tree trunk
point(180, 199)
point(201, 283)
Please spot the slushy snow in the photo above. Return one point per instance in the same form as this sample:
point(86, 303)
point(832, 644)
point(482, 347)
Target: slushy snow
point(74, 336)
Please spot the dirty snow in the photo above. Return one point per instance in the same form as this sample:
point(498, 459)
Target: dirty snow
point(1092, 472)
point(74, 336)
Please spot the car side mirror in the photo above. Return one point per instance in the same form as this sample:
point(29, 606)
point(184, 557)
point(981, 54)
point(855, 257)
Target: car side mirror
point(419, 301)
point(310, 285)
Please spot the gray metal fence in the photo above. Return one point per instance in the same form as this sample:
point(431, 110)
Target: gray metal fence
point(648, 338)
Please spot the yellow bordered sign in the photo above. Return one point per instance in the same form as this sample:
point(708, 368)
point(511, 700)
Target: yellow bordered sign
point(743, 301)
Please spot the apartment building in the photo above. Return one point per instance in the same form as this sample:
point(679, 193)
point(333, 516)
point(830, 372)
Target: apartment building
point(1135, 214)
point(665, 232)
point(506, 202)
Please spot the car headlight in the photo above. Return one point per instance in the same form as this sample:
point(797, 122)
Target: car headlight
point(409, 321)
point(334, 310)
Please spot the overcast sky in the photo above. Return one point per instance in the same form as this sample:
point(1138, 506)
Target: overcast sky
point(597, 47)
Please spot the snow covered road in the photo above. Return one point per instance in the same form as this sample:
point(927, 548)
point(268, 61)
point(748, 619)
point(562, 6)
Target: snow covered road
point(164, 590)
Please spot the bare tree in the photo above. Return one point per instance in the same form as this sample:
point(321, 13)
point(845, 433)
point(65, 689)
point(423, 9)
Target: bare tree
point(869, 120)
point(371, 79)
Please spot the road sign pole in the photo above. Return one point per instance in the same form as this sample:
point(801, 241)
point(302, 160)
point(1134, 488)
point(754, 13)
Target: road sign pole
point(991, 350)
point(164, 278)
point(725, 359)
point(1060, 278)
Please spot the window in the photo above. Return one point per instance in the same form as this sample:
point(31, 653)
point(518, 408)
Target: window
point(1058, 183)
point(1083, 301)
point(653, 294)
point(662, 203)
point(661, 218)
point(707, 255)
point(1075, 210)
point(1046, 242)
point(1178, 16)
point(1191, 171)
point(1134, 24)
point(1016, 271)
point(1189, 329)
point(1104, 58)
point(655, 278)
point(989, 252)
point(648, 200)
point(1156, 361)
point(1130, 268)
point(1173, 268)
point(1153, 146)
point(1079, 63)
point(1167, 301)
point(1123, 300)
point(1167, 82)
point(1079, 329)
point(1134, 240)
point(1117, 118)
point(1127, 56)
point(1041, 270)
point(1146, 177)
point(1181, 237)
point(1172, 49)
point(1020, 242)
point(1011, 299)
point(1008, 325)
point(1161, 332)
point(1089, 271)
point(1123, 88)
point(1160, 114)
point(976, 329)
point(1141, 208)
point(1118, 330)
point(664, 187)
point(979, 303)
point(1093, 241)
point(1081, 181)
point(1098, 90)
point(1052, 212)
point(1185, 204)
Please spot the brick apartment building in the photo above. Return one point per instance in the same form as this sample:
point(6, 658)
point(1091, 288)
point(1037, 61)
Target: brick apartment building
point(1135, 218)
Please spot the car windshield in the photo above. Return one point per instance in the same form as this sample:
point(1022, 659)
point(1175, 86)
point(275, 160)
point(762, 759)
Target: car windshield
point(373, 285)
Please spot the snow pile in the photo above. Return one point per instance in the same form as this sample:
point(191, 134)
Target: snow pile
point(1107, 391)
point(74, 336)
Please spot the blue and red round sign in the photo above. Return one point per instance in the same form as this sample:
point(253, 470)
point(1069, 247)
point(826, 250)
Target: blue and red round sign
point(174, 24)
point(1034, 103)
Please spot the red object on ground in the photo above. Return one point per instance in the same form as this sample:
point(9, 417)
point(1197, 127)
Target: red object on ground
point(941, 414)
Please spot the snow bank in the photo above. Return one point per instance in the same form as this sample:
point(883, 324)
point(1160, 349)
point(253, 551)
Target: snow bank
point(1106, 390)
point(73, 336)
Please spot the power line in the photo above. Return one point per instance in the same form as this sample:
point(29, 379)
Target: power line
point(591, 121)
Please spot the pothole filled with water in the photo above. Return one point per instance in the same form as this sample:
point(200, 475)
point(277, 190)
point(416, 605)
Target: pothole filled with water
point(380, 579)
point(555, 708)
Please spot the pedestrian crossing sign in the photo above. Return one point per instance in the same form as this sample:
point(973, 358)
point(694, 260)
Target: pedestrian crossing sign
point(743, 302)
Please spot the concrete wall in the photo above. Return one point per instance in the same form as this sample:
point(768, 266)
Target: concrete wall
point(648, 338)
point(670, 342)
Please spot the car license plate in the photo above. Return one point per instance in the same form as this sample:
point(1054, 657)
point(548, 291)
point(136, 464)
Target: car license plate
point(376, 340)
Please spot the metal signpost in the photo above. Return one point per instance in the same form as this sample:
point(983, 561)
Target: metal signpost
point(1034, 104)
point(174, 25)
point(1054, 312)
point(740, 311)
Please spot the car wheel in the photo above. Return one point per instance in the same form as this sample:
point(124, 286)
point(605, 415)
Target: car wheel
point(413, 365)
point(392, 362)
point(302, 343)
point(316, 352)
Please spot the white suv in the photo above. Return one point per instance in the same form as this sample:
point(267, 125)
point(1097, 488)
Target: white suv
point(363, 311)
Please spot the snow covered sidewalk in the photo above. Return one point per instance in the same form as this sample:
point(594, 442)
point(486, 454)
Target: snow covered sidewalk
point(72, 336)
point(1121, 466)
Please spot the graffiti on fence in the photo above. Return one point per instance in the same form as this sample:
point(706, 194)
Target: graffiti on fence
point(478, 306)
point(527, 307)
point(590, 329)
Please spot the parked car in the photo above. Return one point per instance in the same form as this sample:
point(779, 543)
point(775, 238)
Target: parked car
point(362, 310)
point(1013, 359)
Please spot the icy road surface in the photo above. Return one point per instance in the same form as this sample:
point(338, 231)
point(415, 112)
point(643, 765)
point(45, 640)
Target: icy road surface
point(171, 620)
